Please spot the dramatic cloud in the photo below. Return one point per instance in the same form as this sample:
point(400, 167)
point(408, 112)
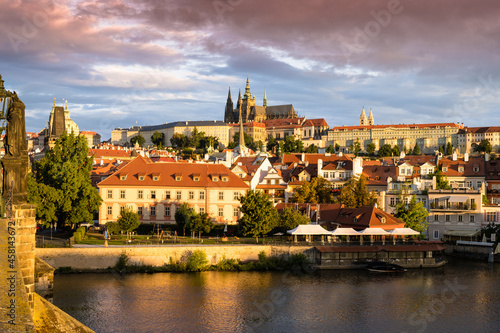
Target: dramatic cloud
point(124, 62)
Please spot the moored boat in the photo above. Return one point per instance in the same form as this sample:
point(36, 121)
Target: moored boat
point(384, 267)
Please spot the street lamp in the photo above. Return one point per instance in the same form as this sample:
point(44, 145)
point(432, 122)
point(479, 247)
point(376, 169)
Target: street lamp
point(5, 97)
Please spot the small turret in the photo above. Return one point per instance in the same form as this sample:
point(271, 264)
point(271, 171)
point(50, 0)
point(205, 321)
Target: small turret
point(264, 103)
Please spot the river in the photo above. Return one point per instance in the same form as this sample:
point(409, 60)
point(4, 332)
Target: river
point(462, 296)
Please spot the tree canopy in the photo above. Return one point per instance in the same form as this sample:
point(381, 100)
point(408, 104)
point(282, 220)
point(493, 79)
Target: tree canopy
point(183, 217)
point(385, 151)
point(248, 141)
point(483, 147)
point(61, 186)
point(196, 140)
point(370, 149)
point(201, 223)
point(311, 149)
point(441, 180)
point(128, 220)
point(355, 194)
point(158, 139)
point(289, 219)
point(413, 214)
point(449, 149)
point(330, 149)
point(139, 139)
point(318, 190)
point(272, 144)
point(292, 145)
point(416, 150)
point(259, 215)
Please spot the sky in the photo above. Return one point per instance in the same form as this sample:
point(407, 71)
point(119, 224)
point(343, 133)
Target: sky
point(121, 63)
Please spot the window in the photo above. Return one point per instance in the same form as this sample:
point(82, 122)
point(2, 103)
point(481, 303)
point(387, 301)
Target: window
point(167, 211)
point(156, 178)
point(153, 194)
point(179, 195)
point(140, 194)
point(110, 210)
point(110, 194)
point(221, 196)
point(468, 184)
point(167, 194)
point(221, 211)
point(202, 210)
point(236, 196)
point(447, 218)
point(122, 194)
point(196, 178)
point(153, 211)
point(215, 178)
point(202, 195)
point(191, 195)
point(139, 210)
point(123, 177)
point(436, 234)
point(225, 179)
point(178, 178)
point(236, 211)
point(460, 218)
point(436, 217)
point(471, 218)
point(122, 208)
point(141, 177)
point(491, 217)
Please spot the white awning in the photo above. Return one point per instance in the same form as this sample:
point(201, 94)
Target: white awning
point(458, 198)
point(462, 233)
point(309, 229)
point(404, 232)
point(345, 232)
point(374, 232)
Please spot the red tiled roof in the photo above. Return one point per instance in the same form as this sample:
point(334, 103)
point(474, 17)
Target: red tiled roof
point(167, 172)
point(88, 132)
point(249, 124)
point(284, 123)
point(490, 129)
point(369, 127)
point(115, 153)
point(378, 174)
point(474, 163)
point(367, 216)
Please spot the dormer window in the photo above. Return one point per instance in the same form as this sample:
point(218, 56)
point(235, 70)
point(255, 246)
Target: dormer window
point(141, 178)
point(123, 177)
point(215, 178)
point(225, 178)
point(178, 177)
point(382, 220)
point(445, 169)
point(196, 178)
point(460, 169)
point(156, 178)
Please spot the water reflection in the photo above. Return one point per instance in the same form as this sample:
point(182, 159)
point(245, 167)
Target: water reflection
point(458, 297)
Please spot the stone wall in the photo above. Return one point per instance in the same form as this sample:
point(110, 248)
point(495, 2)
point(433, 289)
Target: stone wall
point(102, 258)
point(44, 279)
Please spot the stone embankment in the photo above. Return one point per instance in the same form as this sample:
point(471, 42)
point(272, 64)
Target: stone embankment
point(101, 258)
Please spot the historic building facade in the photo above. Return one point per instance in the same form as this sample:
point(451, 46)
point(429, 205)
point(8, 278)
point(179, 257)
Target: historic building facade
point(470, 137)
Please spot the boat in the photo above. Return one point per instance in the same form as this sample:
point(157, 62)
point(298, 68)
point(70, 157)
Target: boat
point(384, 267)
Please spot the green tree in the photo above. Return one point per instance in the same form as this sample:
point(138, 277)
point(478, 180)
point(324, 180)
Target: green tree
point(248, 141)
point(441, 150)
point(416, 150)
point(158, 139)
point(356, 147)
point(139, 139)
point(413, 214)
point(441, 180)
point(355, 194)
point(128, 220)
point(395, 150)
point(337, 147)
point(292, 145)
point(183, 217)
point(290, 218)
point(330, 149)
point(312, 149)
point(179, 140)
point(61, 187)
point(483, 147)
point(201, 223)
point(449, 149)
point(370, 149)
point(272, 144)
point(385, 151)
point(318, 190)
point(259, 215)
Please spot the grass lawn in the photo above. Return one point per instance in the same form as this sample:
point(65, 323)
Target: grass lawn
point(98, 239)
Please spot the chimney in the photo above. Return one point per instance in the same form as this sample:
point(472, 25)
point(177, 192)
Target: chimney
point(306, 164)
point(303, 157)
point(320, 167)
point(486, 157)
point(466, 157)
point(454, 156)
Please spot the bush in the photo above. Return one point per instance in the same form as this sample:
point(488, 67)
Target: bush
point(227, 265)
point(122, 262)
point(197, 262)
point(79, 234)
point(113, 228)
point(145, 229)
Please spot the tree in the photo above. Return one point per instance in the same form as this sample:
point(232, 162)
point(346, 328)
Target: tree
point(449, 149)
point(158, 139)
point(183, 216)
point(290, 218)
point(416, 150)
point(61, 187)
point(312, 149)
point(272, 144)
point(330, 149)
point(355, 194)
point(441, 180)
point(385, 151)
point(318, 190)
point(413, 214)
point(248, 141)
point(395, 150)
point(139, 139)
point(356, 147)
point(337, 147)
point(128, 220)
point(201, 223)
point(259, 216)
point(292, 145)
point(483, 147)
point(371, 149)
point(179, 140)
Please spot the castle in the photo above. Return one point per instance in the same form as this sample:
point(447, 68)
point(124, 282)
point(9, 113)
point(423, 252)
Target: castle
point(251, 112)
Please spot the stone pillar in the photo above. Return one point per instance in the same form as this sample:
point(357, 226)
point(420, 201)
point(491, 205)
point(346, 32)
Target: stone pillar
point(24, 218)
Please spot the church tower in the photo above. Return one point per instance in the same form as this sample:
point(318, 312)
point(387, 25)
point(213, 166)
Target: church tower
point(371, 121)
point(248, 102)
point(362, 119)
point(229, 111)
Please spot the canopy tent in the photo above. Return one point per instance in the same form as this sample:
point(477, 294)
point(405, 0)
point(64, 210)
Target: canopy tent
point(462, 233)
point(404, 232)
point(374, 232)
point(345, 232)
point(309, 229)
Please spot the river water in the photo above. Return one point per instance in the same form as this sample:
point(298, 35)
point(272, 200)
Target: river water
point(463, 296)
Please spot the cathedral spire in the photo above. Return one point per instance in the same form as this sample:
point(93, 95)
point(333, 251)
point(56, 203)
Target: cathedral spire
point(229, 95)
point(264, 103)
point(371, 120)
point(362, 119)
point(247, 90)
point(241, 141)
